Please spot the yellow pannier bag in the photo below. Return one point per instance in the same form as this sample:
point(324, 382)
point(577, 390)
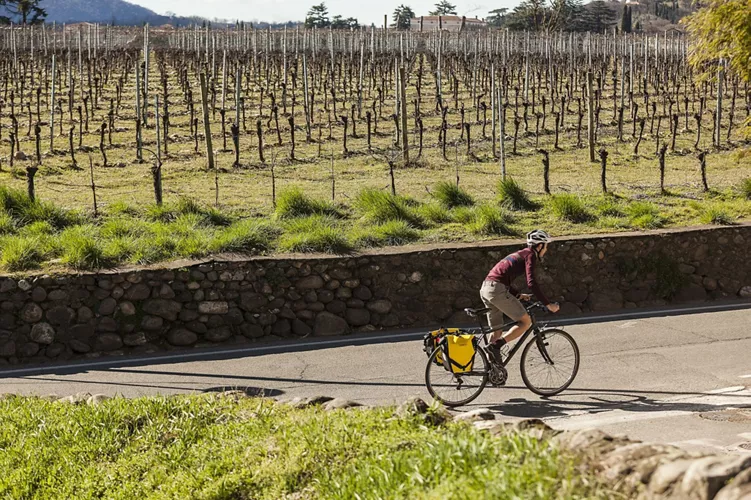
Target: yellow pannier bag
point(461, 349)
point(461, 352)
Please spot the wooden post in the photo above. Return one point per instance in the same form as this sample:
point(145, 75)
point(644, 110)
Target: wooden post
point(52, 109)
point(403, 112)
point(206, 124)
point(590, 117)
point(603, 173)
point(502, 134)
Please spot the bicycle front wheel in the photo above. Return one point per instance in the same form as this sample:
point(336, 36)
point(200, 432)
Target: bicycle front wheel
point(455, 389)
point(550, 372)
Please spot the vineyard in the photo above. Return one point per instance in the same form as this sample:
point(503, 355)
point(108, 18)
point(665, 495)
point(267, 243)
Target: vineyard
point(123, 145)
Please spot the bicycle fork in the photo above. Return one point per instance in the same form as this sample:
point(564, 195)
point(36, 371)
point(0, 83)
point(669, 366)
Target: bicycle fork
point(542, 346)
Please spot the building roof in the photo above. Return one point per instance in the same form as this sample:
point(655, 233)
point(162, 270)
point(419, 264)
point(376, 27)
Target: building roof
point(449, 18)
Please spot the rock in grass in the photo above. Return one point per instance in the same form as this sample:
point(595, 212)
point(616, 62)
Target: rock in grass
point(412, 406)
point(339, 403)
point(474, 415)
point(97, 399)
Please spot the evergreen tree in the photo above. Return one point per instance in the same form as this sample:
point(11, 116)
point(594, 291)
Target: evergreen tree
point(444, 8)
point(318, 16)
point(402, 16)
point(497, 17)
point(626, 19)
point(23, 11)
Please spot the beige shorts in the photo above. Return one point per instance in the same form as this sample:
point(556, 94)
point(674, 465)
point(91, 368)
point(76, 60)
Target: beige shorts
point(497, 297)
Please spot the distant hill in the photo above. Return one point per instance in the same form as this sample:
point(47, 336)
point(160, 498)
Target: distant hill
point(100, 11)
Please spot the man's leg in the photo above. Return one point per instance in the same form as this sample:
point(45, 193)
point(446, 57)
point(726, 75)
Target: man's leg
point(518, 329)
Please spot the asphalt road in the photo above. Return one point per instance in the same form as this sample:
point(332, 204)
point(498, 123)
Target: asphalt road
point(683, 379)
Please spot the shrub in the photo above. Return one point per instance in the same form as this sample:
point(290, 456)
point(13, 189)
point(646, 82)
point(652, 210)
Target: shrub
point(716, 214)
point(292, 202)
point(248, 236)
point(569, 207)
point(21, 253)
point(746, 188)
point(491, 221)
point(450, 195)
point(390, 233)
point(512, 196)
point(380, 207)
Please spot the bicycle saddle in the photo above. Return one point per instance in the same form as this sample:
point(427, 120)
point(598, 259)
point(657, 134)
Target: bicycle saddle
point(476, 312)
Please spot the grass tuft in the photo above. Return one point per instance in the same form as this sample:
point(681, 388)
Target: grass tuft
point(7, 225)
point(644, 215)
point(19, 206)
point(570, 207)
point(391, 233)
point(293, 202)
point(716, 213)
point(381, 207)
point(512, 195)
point(491, 221)
point(434, 213)
point(21, 253)
point(314, 234)
point(450, 195)
point(247, 236)
point(746, 188)
point(80, 248)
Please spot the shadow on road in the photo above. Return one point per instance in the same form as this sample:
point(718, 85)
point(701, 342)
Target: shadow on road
point(593, 401)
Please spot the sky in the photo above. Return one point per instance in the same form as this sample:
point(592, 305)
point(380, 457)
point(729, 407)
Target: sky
point(366, 12)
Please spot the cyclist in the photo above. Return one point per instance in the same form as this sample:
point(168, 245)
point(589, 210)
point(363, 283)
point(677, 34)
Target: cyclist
point(501, 297)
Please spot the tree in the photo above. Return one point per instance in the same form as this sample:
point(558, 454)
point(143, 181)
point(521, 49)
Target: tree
point(597, 17)
point(339, 23)
point(626, 20)
point(25, 11)
point(497, 17)
point(318, 16)
point(444, 8)
point(529, 15)
point(402, 16)
point(721, 31)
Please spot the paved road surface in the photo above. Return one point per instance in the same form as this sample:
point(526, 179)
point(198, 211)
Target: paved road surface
point(683, 379)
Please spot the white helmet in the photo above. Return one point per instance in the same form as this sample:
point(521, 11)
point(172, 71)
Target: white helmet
point(538, 236)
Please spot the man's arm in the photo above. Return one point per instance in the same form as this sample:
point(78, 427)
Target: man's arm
point(532, 282)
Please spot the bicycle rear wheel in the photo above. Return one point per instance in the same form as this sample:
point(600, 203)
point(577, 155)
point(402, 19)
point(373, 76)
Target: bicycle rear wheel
point(550, 373)
point(456, 389)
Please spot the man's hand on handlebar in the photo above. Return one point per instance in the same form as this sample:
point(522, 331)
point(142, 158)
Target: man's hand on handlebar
point(553, 307)
point(525, 297)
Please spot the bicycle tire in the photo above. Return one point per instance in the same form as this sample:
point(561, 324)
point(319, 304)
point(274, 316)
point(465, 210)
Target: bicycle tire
point(437, 390)
point(526, 369)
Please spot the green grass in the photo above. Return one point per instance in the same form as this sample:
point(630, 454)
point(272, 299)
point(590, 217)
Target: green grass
point(434, 213)
point(490, 221)
point(221, 447)
point(381, 207)
point(23, 211)
point(81, 249)
point(247, 236)
point(570, 207)
point(7, 224)
point(292, 202)
point(746, 188)
point(449, 195)
point(716, 213)
point(644, 215)
point(391, 233)
point(314, 234)
point(21, 253)
point(513, 196)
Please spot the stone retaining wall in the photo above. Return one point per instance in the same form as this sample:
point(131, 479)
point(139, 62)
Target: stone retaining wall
point(232, 301)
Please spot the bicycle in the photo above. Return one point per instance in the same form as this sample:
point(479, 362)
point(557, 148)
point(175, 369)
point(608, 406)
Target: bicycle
point(550, 352)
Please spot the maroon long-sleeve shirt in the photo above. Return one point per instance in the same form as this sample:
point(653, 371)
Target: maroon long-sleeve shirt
point(513, 266)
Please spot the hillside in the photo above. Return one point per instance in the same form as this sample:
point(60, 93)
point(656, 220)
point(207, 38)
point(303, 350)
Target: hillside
point(102, 11)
